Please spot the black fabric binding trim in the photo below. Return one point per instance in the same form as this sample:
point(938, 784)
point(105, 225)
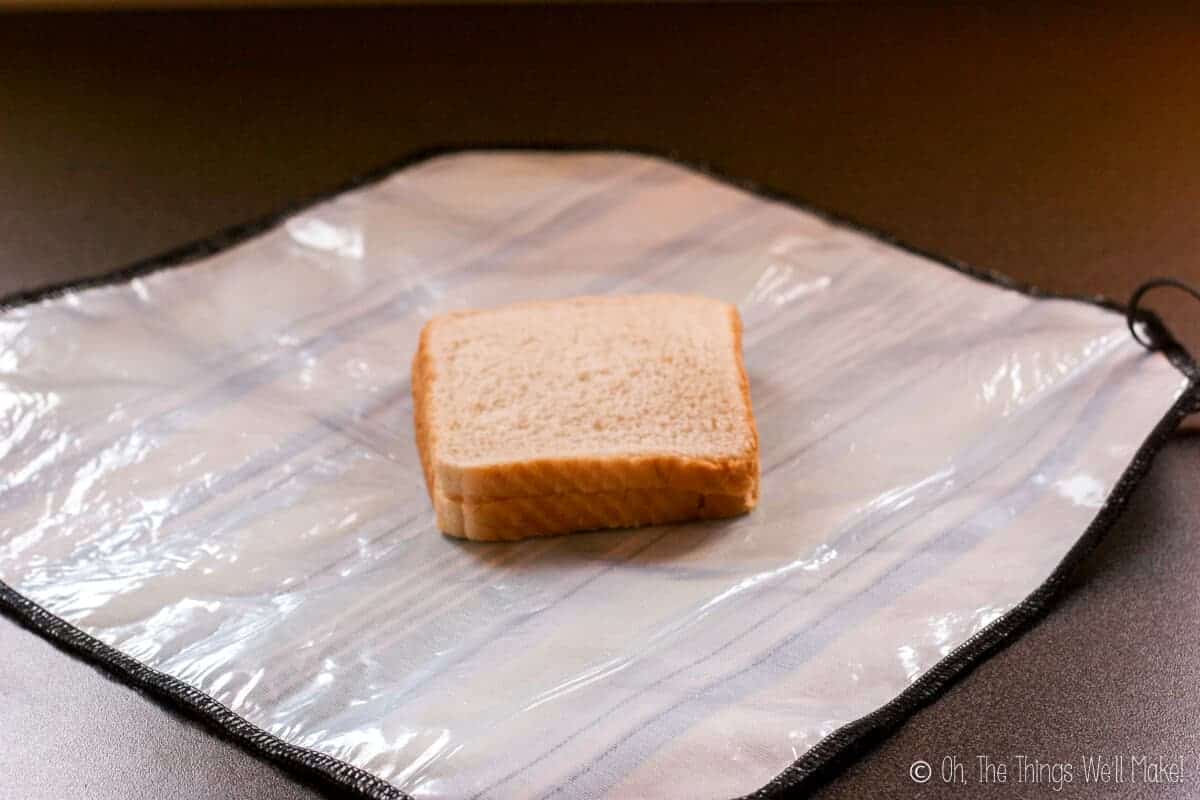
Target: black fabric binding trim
point(1132, 315)
point(829, 756)
point(1142, 321)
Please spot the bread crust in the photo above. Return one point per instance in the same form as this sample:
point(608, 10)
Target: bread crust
point(735, 320)
point(422, 391)
point(548, 476)
point(661, 485)
point(508, 519)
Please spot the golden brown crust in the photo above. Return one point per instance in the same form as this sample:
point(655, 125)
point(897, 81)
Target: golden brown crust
point(514, 518)
point(744, 380)
point(422, 389)
point(548, 476)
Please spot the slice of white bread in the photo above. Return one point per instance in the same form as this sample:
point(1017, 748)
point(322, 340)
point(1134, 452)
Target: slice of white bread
point(584, 401)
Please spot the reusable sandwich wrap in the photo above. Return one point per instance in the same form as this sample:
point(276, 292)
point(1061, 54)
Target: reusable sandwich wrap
point(209, 484)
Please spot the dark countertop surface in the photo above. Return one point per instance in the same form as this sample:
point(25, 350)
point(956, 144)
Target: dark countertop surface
point(1058, 147)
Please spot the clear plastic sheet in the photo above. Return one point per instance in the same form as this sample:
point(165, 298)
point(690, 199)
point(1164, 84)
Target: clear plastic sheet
point(212, 469)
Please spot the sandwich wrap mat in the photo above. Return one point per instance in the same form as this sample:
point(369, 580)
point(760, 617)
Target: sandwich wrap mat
point(210, 486)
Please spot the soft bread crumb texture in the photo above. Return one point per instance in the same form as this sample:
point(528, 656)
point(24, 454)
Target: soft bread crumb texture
point(594, 394)
point(601, 377)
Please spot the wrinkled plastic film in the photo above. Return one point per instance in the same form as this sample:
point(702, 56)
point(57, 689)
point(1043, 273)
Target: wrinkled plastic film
point(212, 469)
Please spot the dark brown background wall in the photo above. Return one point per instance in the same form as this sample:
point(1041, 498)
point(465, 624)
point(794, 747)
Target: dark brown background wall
point(1060, 145)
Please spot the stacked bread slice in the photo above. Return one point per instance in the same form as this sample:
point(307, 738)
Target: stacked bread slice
point(592, 412)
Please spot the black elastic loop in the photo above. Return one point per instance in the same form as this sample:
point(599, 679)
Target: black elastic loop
point(1132, 315)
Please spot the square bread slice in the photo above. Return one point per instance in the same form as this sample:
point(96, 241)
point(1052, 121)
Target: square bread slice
point(592, 412)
